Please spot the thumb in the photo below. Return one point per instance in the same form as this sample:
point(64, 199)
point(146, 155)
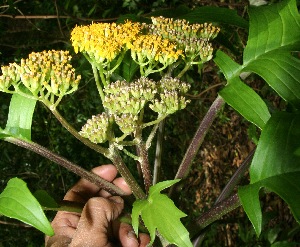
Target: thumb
point(93, 226)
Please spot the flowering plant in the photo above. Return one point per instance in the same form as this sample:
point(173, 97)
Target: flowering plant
point(162, 53)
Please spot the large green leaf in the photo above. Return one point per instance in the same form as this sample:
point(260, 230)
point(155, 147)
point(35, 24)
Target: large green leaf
point(159, 212)
point(17, 202)
point(20, 117)
point(275, 166)
point(274, 33)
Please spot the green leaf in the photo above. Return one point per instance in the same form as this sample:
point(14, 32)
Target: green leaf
point(273, 27)
point(45, 199)
point(20, 116)
point(159, 212)
point(281, 71)
point(17, 202)
point(128, 67)
point(245, 99)
point(278, 148)
point(275, 166)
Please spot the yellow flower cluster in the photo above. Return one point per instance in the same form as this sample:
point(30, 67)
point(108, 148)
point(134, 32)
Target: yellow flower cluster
point(151, 47)
point(104, 41)
point(49, 70)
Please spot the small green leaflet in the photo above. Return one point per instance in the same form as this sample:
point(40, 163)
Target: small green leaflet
point(159, 212)
point(16, 201)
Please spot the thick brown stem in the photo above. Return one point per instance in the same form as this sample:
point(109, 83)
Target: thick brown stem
point(144, 162)
point(215, 213)
point(93, 178)
point(199, 137)
point(126, 174)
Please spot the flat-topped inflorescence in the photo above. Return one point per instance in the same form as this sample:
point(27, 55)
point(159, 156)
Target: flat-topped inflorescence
point(45, 74)
point(193, 39)
point(102, 42)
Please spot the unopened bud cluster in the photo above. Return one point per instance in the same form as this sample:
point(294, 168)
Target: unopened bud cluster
point(193, 39)
point(10, 76)
point(124, 102)
point(96, 128)
point(129, 98)
point(43, 74)
point(170, 98)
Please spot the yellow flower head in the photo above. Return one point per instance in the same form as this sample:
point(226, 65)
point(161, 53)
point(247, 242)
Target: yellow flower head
point(151, 47)
point(50, 71)
point(104, 41)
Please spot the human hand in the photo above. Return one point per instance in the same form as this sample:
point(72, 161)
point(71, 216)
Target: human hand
point(97, 225)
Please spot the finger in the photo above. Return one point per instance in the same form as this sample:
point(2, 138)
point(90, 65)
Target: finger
point(92, 229)
point(120, 182)
point(128, 238)
point(84, 190)
point(144, 239)
point(64, 226)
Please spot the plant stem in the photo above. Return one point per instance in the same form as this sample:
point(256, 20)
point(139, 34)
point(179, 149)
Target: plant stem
point(99, 87)
point(185, 69)
point(125, 173)
point(236, 178)
point(199, 137)
point(215, 213)
point(93, 178)
point(144, 162)
point(158, 152)
point(74, 132)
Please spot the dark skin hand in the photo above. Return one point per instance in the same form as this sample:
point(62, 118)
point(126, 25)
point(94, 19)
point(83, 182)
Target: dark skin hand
point(97, 225)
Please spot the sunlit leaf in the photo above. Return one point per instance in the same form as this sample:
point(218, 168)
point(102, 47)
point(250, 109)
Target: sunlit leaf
point(17, 202)
point(274, 33)
point(159, 212)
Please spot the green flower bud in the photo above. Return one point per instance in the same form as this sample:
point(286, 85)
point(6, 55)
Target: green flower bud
point(96, 128)
point(10, 76)
point(169, 103)
point(126, 122)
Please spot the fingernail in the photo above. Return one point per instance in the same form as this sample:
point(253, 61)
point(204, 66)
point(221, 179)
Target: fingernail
point(131, 235)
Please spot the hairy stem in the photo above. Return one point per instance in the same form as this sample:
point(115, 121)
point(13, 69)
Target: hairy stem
point(236, 178)
point(199, 137)
point(144, 162)
point(158, 152)
point(93, 178)
point(215, 213)
point(125, 173)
